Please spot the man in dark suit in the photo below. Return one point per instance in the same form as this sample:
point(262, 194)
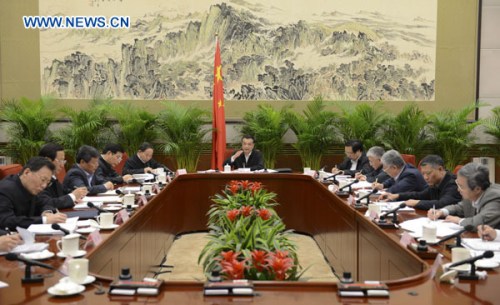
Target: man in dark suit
point(82, 174)
point(143, 162)
point(247, 156)
point(355, 162)
point(404, 177)
point(17, 194)
point(111, 156)
point(377, 174)
point(442, 190)
point(53, 196)
point(481, 199)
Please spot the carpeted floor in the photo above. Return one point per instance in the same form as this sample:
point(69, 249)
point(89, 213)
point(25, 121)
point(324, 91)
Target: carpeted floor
point(183, 255)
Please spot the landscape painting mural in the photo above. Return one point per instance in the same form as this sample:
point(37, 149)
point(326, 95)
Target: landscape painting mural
point(356, 50)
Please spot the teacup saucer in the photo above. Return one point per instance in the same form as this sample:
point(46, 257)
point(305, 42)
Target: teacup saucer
point(430, 242)
point(487, 264)
point(464, 267)
point(112, 208)
point(80, 253)
point(85, 230)
point(89, 279)
point(113, 226)
point(38, 255)
point(62, 293)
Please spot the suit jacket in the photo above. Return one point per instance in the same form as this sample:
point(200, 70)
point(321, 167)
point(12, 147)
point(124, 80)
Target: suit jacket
point(17, 205)
point(255, 161)
point(438, 196)
point(363, 164)
point(378, 175)
point(134, 165)
point(409, 180)
point(77, 177)
point(105, 172)
point(487, 211)
point(53, 197)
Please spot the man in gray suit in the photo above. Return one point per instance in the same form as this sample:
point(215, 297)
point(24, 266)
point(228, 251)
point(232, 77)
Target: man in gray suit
point(481, 199)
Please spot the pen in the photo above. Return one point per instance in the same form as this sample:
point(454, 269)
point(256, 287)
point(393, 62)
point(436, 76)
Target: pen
point(483, 237)
point(434, 212)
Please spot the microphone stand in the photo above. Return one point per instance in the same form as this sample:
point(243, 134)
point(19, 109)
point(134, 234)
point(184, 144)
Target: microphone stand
point(31, 278)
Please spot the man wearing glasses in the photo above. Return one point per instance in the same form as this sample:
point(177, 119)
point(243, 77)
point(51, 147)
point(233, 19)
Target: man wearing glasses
point(53, 197)
point(17, 196)
point(481, 199)
point(111, 156)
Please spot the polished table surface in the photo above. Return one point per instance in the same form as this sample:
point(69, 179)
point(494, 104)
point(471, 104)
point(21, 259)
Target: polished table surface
point(305, 205)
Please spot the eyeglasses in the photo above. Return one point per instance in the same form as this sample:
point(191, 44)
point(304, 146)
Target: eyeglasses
point(459, 187)
point(61, 161)
point(43, 180)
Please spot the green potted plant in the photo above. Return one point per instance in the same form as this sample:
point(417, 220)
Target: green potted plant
point(134, 127)
point(182, 129)
point(88, 127)
point(247, 238)
point(316, 131)
point(28, 124)
point(268, 126)
point(492, 124)
point(451, 134)
point(406, 132)
point(362, 122)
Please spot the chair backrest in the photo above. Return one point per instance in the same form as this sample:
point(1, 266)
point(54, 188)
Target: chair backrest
point(10, 169)
point(119, 167)
point(457, 168)
point(60, 176)
point(409, 159)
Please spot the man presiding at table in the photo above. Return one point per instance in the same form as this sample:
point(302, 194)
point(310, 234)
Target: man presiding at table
point(247, 156)
point(442, 190)
point(481, 199)
point(355, 162)
point(17, 196)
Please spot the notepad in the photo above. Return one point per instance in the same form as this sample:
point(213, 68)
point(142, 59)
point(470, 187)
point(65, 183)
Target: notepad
point(46, 229)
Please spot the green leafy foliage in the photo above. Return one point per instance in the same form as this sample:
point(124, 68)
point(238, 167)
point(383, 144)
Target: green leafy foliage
point(406, 132)
point(268, 126)
point(182, 129)
point(492, 124)
point(135, 126)
point(28, 124)
point(87, 127)
point(316, 131)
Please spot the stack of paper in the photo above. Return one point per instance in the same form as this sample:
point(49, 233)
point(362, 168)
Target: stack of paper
point(415, 227)
point(46, 229)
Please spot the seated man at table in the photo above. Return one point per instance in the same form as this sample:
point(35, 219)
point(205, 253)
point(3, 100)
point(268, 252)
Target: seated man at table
point(442, 190)
point(377, 174)
point(53, 197)
point(247, 156)
point(111, 156)
point(486, 232)
point(9, 241)
point(481, 199)
point(356, 160)
point(82, 174)
point(404, 177)
point(17, 196)
point(143, 162)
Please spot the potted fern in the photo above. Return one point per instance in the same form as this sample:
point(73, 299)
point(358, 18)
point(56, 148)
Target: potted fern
point(451, 134)
point(87, 127)
point(134, 127)
point(28, 124)
point(362, 121)
point(316, 131)
point(182, 130)
point(268, 126)
point(406, 132)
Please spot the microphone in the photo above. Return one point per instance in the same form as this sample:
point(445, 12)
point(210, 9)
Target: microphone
point(119, 192)
point(402, 205)
point(92, 205)
point(458, 243)
point(349, 185)
point(136, 181)
point(56, 226)
point(381, 219)
point(367, 196)
point(16, 257)
point(331, 176)
point(471, 260)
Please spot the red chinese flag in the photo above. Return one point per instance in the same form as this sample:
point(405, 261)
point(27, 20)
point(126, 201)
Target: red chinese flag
point(219, 119)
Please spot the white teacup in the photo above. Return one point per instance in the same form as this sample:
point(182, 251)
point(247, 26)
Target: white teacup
point(227, 168)
point(78, 270)
point(459, 254)
point(307, 170)
point(159, 170)
point(69, 244)
point(429, 231)
point(375, 208)
point(147, 188)
point(343, 183)
point(128, 199)
point(161, 178)
point(105, 220)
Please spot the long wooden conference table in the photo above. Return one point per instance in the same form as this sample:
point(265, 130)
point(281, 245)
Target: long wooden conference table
point(348, 240)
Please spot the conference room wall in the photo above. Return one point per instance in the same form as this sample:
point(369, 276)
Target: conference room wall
point(456, 58)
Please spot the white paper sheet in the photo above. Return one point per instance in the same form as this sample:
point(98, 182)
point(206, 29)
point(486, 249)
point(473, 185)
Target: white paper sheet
point(46, 229)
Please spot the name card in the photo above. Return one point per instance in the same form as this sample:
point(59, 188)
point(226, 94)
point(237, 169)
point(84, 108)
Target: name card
point(94, 239)
point(181, 171)
point(406, 238)
point(121, 216)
